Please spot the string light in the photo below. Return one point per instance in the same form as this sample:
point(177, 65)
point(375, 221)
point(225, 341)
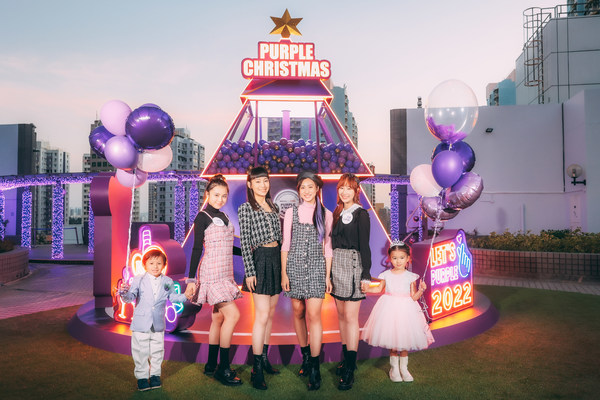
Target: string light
point(179, 212)
point(58, 218)
point(26, 219)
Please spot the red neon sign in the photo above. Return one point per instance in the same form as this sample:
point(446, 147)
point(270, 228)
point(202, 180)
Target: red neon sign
point(286, 60)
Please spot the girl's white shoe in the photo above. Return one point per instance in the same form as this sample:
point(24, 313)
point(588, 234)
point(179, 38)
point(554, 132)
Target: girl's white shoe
point(395, 369)
point(406, 376)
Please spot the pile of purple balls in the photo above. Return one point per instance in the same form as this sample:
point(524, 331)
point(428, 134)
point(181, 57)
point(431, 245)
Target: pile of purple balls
point(286, 157)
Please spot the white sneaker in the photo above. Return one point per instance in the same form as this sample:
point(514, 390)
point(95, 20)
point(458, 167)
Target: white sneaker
point(395, 370)
point(406, 376)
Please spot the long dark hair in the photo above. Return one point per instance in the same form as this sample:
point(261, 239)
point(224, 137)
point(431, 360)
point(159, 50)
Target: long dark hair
point(352, 181)
point(319, 214)
point(258, 172)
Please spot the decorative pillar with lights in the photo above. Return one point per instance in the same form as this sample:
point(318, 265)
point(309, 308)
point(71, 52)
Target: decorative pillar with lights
point(2, 227)
point(194, 202)
point(58, 218)
point(26, 219)
point(90, 228)
point(179, 212)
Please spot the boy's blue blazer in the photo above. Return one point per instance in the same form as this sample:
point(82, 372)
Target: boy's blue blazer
point(148, 311)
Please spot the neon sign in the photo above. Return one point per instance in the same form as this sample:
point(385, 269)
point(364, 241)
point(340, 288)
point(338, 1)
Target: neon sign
point(123, 312)
point(450, 276)
point(286, 60)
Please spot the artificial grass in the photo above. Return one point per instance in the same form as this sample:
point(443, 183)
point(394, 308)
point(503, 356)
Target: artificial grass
point(545, 345)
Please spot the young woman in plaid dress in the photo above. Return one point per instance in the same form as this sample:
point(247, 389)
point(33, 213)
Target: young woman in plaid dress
point(305, 269)
point(351, 266)
point(214, 283)
point(260, 238)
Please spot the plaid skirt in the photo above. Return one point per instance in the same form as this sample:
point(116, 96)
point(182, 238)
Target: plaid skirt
point(267, 263)
point(346, 270)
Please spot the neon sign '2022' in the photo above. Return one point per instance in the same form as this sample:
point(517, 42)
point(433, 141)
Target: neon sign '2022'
point(451, 298)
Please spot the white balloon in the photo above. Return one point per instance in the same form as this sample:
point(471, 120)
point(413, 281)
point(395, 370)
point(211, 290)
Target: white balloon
point(155, 160)
point(128, 179)
point(423, 182)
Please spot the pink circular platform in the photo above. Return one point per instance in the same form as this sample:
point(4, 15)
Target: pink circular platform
point(96, 328)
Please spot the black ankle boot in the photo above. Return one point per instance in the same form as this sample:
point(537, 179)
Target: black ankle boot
point(347, 379)
point(305, 367)
point(267, 367)
point(314, 377)
point(256, 376)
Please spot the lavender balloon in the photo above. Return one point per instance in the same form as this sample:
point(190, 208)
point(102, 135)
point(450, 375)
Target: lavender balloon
point(98, 139)
point(121, 153)
point(433, 208)
point(150, 128)
point(447, 168)
point(465, 192)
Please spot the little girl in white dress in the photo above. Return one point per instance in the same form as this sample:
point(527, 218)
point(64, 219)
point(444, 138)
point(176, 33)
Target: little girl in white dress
point(396, 321)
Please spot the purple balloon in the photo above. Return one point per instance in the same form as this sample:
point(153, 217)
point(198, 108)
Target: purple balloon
point(121, 153)
point(150, 128)
point(447, 168)
point(150, 105)
point(98, 139)
point(465, 192)
point(463, 149)
point(433, 208)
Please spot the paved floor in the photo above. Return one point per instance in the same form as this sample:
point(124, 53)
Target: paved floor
point(51, 286)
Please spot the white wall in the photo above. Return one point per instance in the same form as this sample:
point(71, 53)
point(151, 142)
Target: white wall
point(521, 163)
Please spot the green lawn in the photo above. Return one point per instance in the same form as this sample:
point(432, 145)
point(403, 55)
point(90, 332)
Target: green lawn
point(545, 345)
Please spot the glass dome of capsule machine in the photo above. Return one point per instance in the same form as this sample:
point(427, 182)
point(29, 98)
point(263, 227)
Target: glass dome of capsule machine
point(287, 137)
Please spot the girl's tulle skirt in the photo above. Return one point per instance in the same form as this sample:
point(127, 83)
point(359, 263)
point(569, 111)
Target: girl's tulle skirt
point(397, 322)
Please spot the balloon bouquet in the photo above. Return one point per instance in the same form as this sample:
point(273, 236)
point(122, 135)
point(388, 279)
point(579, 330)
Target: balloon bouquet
point(447, 185)
point(135, 142)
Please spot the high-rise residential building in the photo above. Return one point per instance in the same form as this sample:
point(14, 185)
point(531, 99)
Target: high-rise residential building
point(48, 160)
point(188, 155)
point(17, 157)
point(341, 107)
point(561, 52)
point(94, 163)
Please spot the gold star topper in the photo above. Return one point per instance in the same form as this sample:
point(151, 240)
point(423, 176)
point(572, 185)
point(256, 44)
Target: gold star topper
point(285, 25)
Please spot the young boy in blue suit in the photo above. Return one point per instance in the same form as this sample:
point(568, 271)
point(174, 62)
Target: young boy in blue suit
point(151, 290)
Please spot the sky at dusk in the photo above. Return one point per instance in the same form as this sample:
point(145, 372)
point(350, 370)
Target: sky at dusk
point(60, 61)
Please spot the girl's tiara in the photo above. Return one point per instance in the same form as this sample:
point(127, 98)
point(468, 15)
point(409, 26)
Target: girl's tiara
point(397, 243)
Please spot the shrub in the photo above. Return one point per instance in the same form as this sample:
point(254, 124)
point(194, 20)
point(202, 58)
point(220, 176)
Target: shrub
point(548, 240)
point(6, 245)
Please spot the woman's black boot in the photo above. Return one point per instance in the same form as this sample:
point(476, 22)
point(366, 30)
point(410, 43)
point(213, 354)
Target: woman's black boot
point(339, 370)
point(314, 377)
point(256, 376)
point(267, 367)
point(305, 367)
point(347, 378)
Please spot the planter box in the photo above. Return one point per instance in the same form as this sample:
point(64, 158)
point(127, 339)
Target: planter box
point(14, 264)
point(535, 264)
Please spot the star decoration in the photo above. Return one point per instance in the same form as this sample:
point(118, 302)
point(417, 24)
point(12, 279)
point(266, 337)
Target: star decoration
point(286, 26)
